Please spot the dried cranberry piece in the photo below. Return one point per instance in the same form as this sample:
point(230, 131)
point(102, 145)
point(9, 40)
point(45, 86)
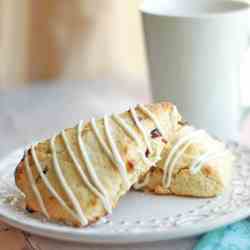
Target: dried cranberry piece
point(147, 153)
point(155, 133)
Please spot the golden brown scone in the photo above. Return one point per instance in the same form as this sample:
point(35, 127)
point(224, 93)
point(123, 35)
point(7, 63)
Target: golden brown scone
point(202, 169)
point(111, 163)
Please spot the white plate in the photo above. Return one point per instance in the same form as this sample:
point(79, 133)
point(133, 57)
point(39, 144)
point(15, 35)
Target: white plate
point(140, 217)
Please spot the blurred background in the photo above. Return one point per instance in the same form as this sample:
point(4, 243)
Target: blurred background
point(65, 60)
point(76, 40)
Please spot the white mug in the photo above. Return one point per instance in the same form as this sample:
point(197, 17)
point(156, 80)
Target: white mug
point(194, 50)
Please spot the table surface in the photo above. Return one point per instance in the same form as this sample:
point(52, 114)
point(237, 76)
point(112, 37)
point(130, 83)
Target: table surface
point(37, 112)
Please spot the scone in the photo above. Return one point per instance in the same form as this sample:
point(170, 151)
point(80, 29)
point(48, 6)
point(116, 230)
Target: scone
point(78, 175)
point(193, 164)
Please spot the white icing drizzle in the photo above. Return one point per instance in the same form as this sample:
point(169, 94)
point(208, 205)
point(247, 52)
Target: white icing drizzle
point(143, 183)
point(127, 129)
point(168, 168)
point(107, 150)
point(112, 152)
point(174, 117)
point(78, 166)
point(65, 185)
point(121, 164)
point(141, 128)
point(49, 186)
point(198, 163)
point(181, 151)
point(105, 197)
point(152, 117)
point(33, 185)
point(101, 141)
point(133, 136)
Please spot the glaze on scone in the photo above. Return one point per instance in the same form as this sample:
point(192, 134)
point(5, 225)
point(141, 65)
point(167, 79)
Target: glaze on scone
point(193, 164)
point(78, 176)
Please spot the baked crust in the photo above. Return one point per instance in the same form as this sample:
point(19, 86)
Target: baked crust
point(106, 171)
point(212, 179)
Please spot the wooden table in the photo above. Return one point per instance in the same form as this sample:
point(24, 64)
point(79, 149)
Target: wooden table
point(35, 113)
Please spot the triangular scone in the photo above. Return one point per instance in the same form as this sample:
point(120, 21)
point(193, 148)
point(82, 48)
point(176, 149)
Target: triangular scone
point(193, 164)
point(79, 175)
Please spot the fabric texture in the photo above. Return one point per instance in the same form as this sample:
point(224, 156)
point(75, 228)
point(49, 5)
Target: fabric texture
point(232, 237)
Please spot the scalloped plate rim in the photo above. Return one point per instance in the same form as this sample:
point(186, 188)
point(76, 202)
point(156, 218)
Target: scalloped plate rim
point(61, 233)
point(124, 238)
